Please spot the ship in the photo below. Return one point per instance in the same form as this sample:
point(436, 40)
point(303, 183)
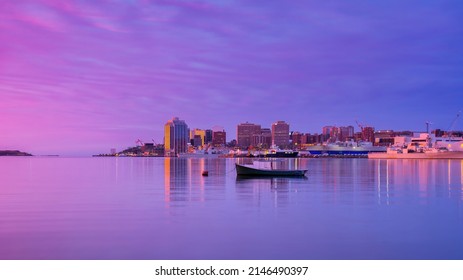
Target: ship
point(199, 154)
point(349, 148)
point(421, 147)
point(278, 153)
point(432, 153)
point(451, 143)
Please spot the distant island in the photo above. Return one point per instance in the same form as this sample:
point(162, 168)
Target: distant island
point(13, 153)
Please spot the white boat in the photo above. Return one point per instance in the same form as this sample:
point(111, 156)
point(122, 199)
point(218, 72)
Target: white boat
point(451, 143)
point(349, 148)
point(432, 153)
point(198, 154)
point(421, 147)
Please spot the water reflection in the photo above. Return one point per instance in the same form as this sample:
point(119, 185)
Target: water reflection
point(183, 180)
point(256, 189)
point(425, 178)
point(162, 208)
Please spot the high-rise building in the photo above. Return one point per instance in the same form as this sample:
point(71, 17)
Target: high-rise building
point(245, 132)
point(280, 134)
point(266, 137)
point(329, 133)
point(219, 138)
point(296, 139)
point(208, 136)
point(176, 136)
point(262, 139)
point(346, 133)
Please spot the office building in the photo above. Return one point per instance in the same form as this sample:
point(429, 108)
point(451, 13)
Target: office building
point(219, 138)
point(345, 133)
point(176, 136)
point(368, 134)
point(263, 139)
point(208, 136)
point(280, 134)
point(245, 132)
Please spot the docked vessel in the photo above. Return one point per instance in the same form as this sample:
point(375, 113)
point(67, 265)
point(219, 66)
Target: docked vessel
point(197, 155)
point(432, 153)
point(277, 153)
point(267, 169)
point(343, 149)
point(451, 143)
point(207, 153)
point(422, 147)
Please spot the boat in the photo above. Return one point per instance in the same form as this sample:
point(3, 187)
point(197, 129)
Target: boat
point(267, 169)
point(451, 143)
point(199, 154)
point(348, 148)
point(277, 153)
point(274, 152)
point(420, 147)
point(431, 153)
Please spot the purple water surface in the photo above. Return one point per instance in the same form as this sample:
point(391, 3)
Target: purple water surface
point(162, 208)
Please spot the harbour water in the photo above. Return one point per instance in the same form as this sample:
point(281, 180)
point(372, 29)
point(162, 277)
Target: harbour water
point(162, 208)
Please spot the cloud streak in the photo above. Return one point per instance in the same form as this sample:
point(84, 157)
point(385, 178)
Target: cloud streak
point(97, 74)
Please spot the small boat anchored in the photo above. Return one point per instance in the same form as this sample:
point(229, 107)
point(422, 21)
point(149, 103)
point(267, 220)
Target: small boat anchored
point(267, 168)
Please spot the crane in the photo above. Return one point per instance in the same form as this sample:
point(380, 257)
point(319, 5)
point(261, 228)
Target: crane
point(359, 125)
point(361, 129)
point(454, 121)
point(139, 142)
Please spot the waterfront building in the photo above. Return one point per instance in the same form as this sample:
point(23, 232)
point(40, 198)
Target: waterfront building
point(208, 136)
point(176, 136)
point(263, 139)
point(280, 134)
point(296, 139)
point(197, 141)
point(245, 132)
point(266, 140)
point(232, 143)
point(219, 138)
point(198, 132)
point(368, 134)
point(345, 133)
point(384, 137)
point(329, 133)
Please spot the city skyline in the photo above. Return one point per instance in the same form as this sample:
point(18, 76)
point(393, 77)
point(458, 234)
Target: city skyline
point(79, 78)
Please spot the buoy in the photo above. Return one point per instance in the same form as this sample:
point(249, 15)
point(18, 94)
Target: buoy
point(205, 173)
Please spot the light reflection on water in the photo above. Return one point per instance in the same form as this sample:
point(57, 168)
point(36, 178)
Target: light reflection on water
point(162, 208)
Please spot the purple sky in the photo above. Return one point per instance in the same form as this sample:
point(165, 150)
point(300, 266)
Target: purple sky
point(81, 77)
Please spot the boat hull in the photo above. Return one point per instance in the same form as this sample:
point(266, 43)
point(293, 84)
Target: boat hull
point(285, 154)
point(243, 170)
point(437, 155)
point(342, 151)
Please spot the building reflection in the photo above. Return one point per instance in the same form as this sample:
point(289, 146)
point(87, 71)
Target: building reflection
point(350, 181)
point(183, 180)
point(426, 178)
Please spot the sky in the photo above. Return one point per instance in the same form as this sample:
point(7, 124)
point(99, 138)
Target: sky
point(82, 77)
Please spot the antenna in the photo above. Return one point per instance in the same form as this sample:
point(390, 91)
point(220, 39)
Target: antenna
point(428, 123)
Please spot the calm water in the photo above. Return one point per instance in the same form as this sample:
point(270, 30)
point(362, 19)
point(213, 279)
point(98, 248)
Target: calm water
point(162, 208)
